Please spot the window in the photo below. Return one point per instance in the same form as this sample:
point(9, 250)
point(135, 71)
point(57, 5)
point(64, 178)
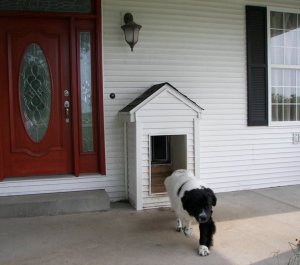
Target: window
point(160, 146)
point(284, 66)
point(86, 89)
point(88, 135)
point(273, 66)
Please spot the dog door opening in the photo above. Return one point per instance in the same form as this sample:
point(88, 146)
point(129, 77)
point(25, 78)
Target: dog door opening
point(168, 153)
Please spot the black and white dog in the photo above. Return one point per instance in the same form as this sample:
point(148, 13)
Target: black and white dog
point(191, 200)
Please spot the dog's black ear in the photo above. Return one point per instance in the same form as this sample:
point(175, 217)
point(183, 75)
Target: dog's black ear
point(212, 196)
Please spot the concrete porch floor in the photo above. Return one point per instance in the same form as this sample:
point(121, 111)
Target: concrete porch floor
point(251, 227)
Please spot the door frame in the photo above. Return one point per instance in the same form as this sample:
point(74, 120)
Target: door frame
point(73, 19)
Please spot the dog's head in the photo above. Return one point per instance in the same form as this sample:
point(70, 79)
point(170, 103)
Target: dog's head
point(198, 203)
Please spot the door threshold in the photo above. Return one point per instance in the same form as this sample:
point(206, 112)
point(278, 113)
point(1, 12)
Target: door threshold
point(39, 177)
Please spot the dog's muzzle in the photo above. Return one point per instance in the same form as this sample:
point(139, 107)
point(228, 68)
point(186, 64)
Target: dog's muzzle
point(202, 217)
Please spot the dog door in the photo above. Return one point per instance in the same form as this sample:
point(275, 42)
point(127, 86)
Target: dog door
point(168, 153)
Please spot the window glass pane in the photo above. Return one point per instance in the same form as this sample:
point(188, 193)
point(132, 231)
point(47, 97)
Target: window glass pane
point(35, 92)
point(277, 95)
point(289, 112)
point(277, 77)
point(298, 87)
point(82, 6)
point(289, 77)
point(293, 95)
point(293, 113)
point(277, 38)
point(289, 95)
point(277, 56)
point(290, 21)
point(277, 112)
point(290, 38)
point(298, 112)
point(86, 92)
point(277, 20)
point(290, 56)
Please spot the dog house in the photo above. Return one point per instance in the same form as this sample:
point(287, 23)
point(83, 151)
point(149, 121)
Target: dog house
point(161, 135)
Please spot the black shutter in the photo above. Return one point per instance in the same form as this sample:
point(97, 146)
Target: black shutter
point(257, 65)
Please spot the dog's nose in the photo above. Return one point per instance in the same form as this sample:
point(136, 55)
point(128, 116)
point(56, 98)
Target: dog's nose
point(202, 216)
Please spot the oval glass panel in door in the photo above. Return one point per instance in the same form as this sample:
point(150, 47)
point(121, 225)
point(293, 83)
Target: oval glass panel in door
point(35, 92)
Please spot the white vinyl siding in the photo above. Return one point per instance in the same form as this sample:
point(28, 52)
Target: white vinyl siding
point(199, 47)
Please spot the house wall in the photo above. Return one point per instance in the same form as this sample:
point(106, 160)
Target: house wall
point(198, 47)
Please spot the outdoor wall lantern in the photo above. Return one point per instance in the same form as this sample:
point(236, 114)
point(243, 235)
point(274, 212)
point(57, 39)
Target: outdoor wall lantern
point(131, 30)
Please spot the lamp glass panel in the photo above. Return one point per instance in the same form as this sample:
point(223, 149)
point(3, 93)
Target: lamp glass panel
point(129, 35)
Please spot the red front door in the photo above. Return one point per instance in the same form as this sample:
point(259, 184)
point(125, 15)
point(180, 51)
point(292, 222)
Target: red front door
point(35, 91)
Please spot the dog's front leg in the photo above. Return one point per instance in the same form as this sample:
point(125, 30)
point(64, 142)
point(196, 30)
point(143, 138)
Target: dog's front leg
point(187, 228)
point(178, 225)
point(184, 226)
point(206, 236)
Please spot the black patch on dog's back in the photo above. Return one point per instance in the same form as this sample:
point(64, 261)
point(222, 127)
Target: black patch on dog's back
point(180, 188)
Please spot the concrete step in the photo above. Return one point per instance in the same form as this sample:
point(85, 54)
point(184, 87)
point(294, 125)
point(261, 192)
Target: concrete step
point(54, 203)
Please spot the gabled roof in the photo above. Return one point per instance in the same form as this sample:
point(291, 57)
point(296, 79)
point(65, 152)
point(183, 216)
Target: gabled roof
point(154, 91)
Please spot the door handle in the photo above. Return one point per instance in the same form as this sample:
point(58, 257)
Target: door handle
point(67, 111)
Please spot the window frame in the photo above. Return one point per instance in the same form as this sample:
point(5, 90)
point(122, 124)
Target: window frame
point(278, 66)
point(93, 161)
point(89, 30)
point(167, 158)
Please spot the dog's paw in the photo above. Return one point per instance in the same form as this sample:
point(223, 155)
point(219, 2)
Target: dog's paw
point(188, 231)
point(178, 225)
point(203, 250)
point(178, 229)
